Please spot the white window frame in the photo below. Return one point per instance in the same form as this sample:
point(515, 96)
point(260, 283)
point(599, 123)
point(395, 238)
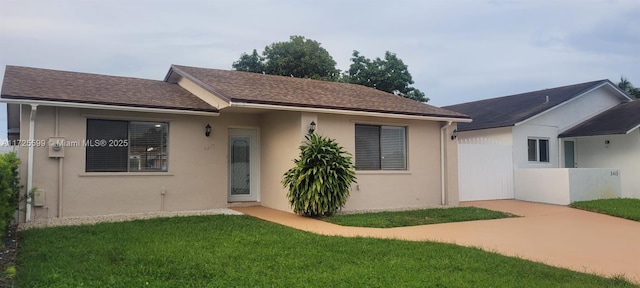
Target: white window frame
point(538, 149)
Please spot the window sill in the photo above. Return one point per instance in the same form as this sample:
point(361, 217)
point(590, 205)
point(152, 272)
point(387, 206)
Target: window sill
point(126, 174)
point(383, 172)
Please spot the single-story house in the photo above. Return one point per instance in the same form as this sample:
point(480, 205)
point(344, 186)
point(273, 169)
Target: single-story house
point(205, 138)
point(586, 125)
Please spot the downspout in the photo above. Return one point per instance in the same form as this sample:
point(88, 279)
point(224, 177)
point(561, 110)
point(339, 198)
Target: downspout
point(442, 186)
point(32, 126)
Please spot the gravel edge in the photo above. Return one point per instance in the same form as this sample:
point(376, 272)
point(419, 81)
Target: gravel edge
point(88, 220)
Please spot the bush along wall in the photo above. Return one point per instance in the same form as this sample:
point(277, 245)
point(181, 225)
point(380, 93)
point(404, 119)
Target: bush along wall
point(9, 188)
point(320, 181)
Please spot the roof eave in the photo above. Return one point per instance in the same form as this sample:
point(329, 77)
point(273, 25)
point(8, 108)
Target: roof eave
point(615, 87)
point(634, 128)
point(484, 127)
point(168, 76)
point(347, 112)
point(106, 107)
point(597, 134)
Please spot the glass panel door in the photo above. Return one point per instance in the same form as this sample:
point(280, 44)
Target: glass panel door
point(569, 155)
point(243, 165)
point(240, 165)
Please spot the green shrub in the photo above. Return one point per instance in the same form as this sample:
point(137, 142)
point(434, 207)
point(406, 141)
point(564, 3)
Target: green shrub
point(320, 181)
point(9, 188)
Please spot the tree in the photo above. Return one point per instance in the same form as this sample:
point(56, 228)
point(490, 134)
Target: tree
point(250, 63)
point(628, 88)
point(320, 180)
point(299, 57)
point(305, 58)
point(389, 74)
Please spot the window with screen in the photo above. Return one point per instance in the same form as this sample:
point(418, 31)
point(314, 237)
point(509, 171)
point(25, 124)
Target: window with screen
point(380, 147)
point(126, 146)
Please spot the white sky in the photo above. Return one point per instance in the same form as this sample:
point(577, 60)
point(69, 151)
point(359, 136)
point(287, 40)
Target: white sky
point(456, 50)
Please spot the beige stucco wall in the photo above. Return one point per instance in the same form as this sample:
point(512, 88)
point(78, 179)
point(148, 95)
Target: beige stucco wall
point(419, 186)
point(196, 177)
point(280, 139)
point(452, 192)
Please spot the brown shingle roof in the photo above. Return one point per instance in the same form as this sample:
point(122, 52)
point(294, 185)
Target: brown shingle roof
point(245, 87)
point(53, 85)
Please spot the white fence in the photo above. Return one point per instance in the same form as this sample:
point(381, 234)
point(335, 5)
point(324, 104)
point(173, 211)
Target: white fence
point(485, 170)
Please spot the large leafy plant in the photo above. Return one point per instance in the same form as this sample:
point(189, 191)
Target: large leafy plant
point(320, 181)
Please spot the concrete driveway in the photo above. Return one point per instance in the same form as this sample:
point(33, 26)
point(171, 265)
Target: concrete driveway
point(555, 235)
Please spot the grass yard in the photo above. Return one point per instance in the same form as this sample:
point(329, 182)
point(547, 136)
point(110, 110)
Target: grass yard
point(620, 207)
point(416, 217)
point(240, 251)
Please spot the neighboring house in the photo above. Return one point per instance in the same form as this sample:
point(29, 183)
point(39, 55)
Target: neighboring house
point(206, 138)
point(563, 127)
point(609, 140)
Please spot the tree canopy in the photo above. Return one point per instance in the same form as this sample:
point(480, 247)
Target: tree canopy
point(389, 74)
point(250, 63)
point(305, 58)
point(628, 88)
point(298, 57)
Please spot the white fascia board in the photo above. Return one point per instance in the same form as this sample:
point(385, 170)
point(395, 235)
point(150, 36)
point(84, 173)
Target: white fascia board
point(602, 135)
point(631, 130)
point(562, 104)
point(344, 112)
point(107, 107)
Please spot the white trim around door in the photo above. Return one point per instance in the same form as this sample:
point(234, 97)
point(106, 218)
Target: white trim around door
point(243, 156)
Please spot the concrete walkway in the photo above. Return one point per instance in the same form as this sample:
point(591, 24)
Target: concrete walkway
point(555, 235)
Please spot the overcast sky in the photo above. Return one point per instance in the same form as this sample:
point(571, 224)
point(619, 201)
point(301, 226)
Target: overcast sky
point(457, 51)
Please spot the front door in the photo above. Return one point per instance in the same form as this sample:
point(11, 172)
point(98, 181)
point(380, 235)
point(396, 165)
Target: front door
point(243, 183)
point(569, 154)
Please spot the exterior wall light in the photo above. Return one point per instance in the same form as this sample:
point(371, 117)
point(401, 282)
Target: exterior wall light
point(312, 127)
point(454, 134)
point(207, 130)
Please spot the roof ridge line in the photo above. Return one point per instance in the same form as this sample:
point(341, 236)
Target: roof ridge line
point(538, 90)
point(200, 83)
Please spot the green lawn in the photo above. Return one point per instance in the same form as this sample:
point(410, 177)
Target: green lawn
point(620, 207)
point(416, 217)
point(240, 251)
